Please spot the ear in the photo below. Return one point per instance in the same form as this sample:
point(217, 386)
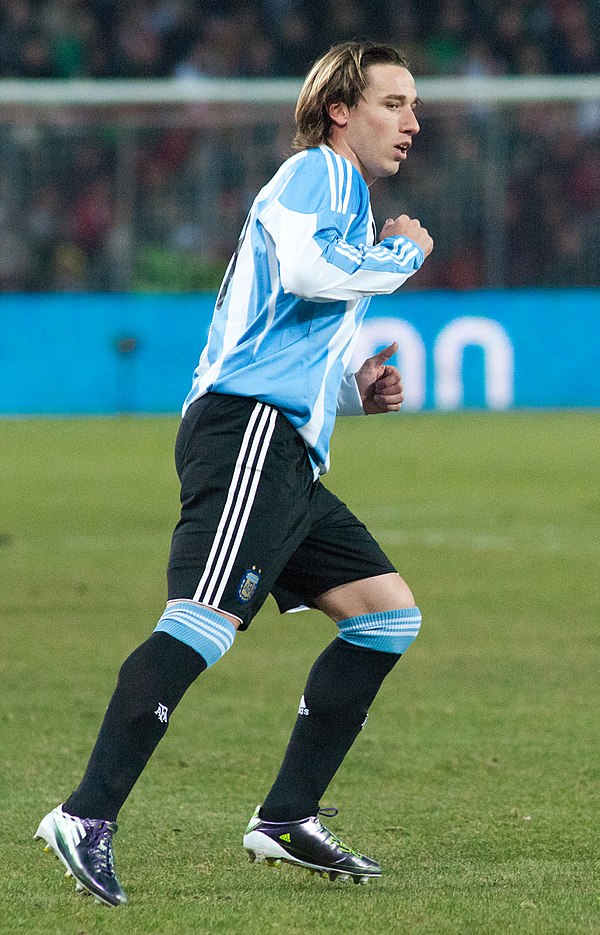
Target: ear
point(338, 113)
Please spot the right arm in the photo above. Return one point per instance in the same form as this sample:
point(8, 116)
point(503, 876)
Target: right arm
point(316, 225)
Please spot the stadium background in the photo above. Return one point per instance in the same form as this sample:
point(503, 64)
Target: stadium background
point(141, 199)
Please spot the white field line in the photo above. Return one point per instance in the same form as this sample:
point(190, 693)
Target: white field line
point(537, 542)
point(107, 543)
point(547, 540)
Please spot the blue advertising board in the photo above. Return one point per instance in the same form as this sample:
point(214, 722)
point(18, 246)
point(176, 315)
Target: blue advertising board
point(494, 349)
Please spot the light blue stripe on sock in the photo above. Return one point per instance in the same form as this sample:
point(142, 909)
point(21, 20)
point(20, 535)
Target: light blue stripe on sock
point(205, 631)
point(391, 631)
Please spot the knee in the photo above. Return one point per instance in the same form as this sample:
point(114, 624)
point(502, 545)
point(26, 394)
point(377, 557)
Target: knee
point(207, 632)
point(146, 661)
point(133, 667)
point(367, 596)
point(390, 593)
point(390, 631)
point(404, 597)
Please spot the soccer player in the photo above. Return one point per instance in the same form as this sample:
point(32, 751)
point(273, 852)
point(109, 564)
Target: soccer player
point(251, 448)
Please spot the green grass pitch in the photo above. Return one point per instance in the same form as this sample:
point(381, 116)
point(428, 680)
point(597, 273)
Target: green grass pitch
point(475, 783)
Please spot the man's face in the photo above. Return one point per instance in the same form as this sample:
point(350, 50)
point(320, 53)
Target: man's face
point(377, 134)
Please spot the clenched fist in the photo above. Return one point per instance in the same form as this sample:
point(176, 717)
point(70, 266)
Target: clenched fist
point(403, 226)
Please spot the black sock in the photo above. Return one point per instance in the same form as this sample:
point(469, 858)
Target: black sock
point(341, 686)
point(151, 683)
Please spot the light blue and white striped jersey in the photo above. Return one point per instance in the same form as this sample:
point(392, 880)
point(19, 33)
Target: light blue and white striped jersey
point(295, 293)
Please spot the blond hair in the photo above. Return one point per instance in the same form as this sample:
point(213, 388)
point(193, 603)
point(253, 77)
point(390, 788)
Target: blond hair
point(341, 76)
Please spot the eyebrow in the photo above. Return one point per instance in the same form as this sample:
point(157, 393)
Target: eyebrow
point(402, 98)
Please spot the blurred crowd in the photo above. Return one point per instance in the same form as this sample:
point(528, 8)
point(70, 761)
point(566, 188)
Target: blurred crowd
point(155, 202)
point(157, 38)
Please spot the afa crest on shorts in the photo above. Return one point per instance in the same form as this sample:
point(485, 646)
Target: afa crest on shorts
point(249, 584)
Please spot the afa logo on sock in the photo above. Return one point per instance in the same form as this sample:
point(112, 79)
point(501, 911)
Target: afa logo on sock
point(248, 585)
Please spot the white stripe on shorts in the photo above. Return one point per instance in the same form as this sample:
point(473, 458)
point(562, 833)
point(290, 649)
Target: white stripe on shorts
point(238, 505)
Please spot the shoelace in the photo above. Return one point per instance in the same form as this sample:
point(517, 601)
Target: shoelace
point(331, 837)
point(100, 845)
point(328, 812)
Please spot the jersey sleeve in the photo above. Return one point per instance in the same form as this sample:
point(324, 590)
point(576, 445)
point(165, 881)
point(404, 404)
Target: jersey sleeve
point(349, 402)
point(319, 223)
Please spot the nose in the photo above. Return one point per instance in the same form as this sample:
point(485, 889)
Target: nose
point(411, 124)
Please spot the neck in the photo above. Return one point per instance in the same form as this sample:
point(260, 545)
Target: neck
point(340, 146)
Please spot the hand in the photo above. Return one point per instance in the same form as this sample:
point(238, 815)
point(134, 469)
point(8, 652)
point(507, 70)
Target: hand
point(379, 384)
point(404, 226)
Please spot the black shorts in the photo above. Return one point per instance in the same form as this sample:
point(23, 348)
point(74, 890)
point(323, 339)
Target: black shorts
point(253, 520)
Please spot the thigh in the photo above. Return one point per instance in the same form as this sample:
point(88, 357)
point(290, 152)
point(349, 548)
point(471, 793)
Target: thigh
point(339, 550)
point(245, 483)
point(375, 595)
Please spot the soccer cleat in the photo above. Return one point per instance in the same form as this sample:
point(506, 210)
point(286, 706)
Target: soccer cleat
point(307, 843)
point(84, 845)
